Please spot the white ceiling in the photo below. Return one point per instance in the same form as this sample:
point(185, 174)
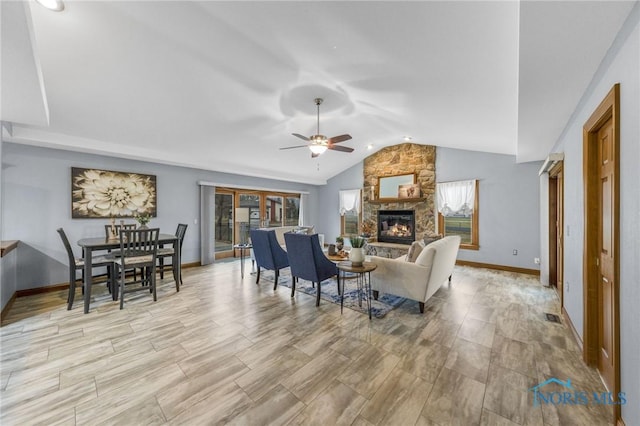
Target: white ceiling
point(222, 85)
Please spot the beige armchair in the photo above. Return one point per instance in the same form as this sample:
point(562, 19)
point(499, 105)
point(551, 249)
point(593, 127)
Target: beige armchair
point(420, 280)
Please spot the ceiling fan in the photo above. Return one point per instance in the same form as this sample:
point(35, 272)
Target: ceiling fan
point(320, 143)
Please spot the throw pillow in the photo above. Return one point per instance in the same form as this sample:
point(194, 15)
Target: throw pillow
point(414, 251)
point(431, 238)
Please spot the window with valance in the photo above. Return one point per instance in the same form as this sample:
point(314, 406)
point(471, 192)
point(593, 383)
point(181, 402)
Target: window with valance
point(458, 211)
point(350, 218)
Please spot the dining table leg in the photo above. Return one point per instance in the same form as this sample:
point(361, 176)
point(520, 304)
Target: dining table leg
point(87, 278)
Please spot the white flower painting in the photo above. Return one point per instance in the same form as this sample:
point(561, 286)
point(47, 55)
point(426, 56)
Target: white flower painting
point(103, 193)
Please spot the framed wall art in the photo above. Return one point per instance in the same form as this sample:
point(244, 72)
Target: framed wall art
point(104, 194)
point(410, 190)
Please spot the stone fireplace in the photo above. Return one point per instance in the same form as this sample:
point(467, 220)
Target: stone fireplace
point(396, 160)
point(396, 226)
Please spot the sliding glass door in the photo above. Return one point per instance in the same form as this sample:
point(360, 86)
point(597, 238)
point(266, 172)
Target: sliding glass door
point(274, 210)
point(251, 202)
point(261, 209)
point(223, 224)
point(292, 210)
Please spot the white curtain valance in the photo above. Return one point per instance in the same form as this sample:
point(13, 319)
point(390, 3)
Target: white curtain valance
point(349, 201)
point(456, 198)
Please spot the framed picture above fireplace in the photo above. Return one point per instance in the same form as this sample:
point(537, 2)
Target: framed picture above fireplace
point(388, 186)
point(411, 190)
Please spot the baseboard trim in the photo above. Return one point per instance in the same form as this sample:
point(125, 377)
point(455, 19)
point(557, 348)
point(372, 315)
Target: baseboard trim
point(7, 307)
point(535, 272)
point(40, 290)
point(576, 336)
point(64, 286)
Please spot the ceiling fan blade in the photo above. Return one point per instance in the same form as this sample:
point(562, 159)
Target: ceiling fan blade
point(297, 146)
point(340, 148)
point(300, 136)
point(338, 139)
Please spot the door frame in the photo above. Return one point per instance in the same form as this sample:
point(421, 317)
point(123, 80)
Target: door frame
point(556, 229)
point(609, 108)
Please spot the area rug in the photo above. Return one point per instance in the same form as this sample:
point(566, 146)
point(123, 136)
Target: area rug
point(329, 292)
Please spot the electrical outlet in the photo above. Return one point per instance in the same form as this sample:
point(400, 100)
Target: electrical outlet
point(536, 260)
point(195, 221)
point(566, 286)
point(515, 252)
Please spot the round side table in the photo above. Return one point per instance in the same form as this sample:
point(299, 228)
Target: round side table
point(363, 281)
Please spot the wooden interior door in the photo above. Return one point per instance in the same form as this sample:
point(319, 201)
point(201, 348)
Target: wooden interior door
point(560, 235)
point(553, 231)
point(606, 256)
point(556, 230)
point(601, 262)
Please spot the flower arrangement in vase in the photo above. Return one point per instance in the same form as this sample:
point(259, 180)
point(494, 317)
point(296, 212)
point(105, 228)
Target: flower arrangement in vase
point(142, 220)
point(356, 255)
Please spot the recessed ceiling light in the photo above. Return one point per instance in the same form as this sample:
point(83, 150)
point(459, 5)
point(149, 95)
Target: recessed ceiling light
point(55, 5)
point(370, 146)
point(407, 138)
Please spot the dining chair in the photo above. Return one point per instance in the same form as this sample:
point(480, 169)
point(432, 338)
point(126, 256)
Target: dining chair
point(76, 264)
point(268, 253)
point(167, 252)
point(116, 228)
point(109, 235)
point(307, 261)
point(138, 249)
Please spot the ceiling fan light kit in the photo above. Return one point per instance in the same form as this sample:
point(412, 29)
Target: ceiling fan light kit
point(54, 5)
point(317, 149)
point(320, 143)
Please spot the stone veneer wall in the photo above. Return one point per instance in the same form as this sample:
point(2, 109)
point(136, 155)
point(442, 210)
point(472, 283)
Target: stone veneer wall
point(399, 160)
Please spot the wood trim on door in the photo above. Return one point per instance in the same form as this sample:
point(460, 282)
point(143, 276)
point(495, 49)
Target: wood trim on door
point(609, 108)
point(556, 229)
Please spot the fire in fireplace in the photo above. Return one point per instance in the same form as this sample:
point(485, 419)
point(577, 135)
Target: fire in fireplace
point(396, 226)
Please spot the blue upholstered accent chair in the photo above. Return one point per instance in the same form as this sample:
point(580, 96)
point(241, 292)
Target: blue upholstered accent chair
point(268, 253)
point(308, 261)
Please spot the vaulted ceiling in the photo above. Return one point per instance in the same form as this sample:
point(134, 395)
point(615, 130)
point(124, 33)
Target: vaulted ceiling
point(222, 85)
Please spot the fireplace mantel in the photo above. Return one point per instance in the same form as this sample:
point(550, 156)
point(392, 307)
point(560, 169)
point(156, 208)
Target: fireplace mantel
point(397, 200)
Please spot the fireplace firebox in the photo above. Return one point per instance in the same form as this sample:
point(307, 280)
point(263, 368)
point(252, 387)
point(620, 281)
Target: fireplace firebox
point(396, 226)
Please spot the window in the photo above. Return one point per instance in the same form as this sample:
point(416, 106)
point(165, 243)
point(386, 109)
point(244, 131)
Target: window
point(350, 223)
point(350, 218)
point(458, 211)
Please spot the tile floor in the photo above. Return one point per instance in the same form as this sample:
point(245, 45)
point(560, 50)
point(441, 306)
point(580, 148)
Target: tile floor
point(225, 350)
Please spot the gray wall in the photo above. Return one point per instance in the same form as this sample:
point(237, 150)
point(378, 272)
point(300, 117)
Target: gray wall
point(328, 223)
point(621, 65)
point(36, 185)
point(509, 198)
point(8, 276)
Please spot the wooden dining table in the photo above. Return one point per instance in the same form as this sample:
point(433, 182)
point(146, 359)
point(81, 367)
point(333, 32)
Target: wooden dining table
point(89, 245)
